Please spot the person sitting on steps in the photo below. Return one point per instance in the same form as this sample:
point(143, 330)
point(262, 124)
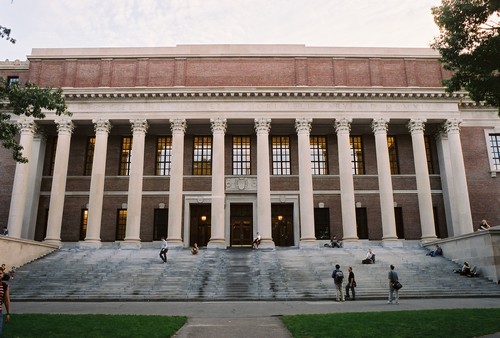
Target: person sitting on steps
point(370, 257)
point(256, 242)
point(437, 252)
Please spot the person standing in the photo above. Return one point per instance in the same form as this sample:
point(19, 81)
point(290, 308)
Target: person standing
point(393, 293)
point(163, 250)
point(351, 284)
point(338, 280)
point(484, 225)
point(5, 302)
point(5, 231)
point(256, 241)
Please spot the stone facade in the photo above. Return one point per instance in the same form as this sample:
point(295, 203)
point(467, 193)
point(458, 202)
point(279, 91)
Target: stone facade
point(442, 181)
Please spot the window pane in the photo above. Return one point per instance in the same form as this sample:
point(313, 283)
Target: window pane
point(121, 224)
point(89, 158)
point(319, 157)
point(163, 155)
point(202, 155)
point(281, 155)
point(125, 153)
point(241, 155)
point(393, 155)
point(357, 158)
point(428, 154)
point(495, 150)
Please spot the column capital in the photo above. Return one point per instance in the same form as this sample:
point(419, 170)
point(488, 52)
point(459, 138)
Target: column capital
point(452, 126)
point(178, 125)
point(27, 125)
point(380, 125)
point(343, 125)
point(64, 126)
point(218, 124)
point(262, 125)
point(417, 126)
point(101, 126)
point(139, 126)
point(303, 125)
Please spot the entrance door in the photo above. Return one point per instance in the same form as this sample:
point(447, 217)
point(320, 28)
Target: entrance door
point(282, 220)
point(200, 221)
point(241, 224)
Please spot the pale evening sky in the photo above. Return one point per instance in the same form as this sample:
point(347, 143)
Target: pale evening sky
point(164, 23)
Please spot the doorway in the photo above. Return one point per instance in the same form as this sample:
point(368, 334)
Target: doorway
point(200, 224)
point(282, 223)
point(241, 225)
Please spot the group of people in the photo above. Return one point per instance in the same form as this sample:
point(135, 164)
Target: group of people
point(338, 280)
point(164, 249)
point(466, 270)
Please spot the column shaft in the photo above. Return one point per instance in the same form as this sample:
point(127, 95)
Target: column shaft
point(96, 197)
point(384, 180)
point(134, 203)
point(416, 127)
point(307, 236)
point(262, 127)
point(20, 186)
point(217, 239)
point(348, 203)
point(58, 191)
point(178, 127)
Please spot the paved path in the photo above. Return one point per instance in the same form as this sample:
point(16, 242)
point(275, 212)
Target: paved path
point(244, 319)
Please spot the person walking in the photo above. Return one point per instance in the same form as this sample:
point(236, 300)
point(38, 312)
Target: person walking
point(351, 284)
point(393, 293)
point(4, 303)
point(338, 279)
point(163, 250)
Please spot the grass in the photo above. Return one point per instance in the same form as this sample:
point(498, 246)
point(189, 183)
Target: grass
point(95, 326)
point(423, 323)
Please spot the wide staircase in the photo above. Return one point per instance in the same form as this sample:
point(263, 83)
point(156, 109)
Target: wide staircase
point(114, 274)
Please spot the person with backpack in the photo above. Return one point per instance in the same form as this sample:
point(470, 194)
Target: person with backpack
point(393, 292)
point(338, 280)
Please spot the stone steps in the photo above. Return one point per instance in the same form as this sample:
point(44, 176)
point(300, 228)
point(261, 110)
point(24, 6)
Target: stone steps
point(281, 274)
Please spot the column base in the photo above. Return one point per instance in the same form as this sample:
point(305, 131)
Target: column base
point(391, 243)
point(130, 244)
point(175, 243)
point(90, 244)
point(56, 242)
point(216, 244)
point(308, 244)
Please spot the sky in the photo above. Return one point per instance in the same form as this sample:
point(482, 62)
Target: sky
point(166, 23)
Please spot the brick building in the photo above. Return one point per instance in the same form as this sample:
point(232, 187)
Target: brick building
point(213, 143)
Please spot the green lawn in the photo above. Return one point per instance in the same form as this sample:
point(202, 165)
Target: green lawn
point(426, 323)
point(76, 326)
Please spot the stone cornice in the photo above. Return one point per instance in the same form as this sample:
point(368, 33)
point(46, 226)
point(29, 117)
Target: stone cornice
point(264, 92)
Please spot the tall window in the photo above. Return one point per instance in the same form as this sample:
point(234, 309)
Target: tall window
point(121, 224)
point(495, 150)
point(241, 155)
point(83, 224)
point(319, 155)
point(428, 154)
point(125, 153)
point(89, 157)
point(53, 155)
point(202, 155)
point(393, 155)
point(281, 155)
point(357, 158)
point(12, 80)
point(163, 155)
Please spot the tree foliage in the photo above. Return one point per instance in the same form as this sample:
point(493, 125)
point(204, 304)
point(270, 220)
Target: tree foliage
point(5, 34)
point(469, 44)
point(29, 100)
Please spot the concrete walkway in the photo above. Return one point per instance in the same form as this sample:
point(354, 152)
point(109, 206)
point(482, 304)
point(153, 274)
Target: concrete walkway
point(244, 319)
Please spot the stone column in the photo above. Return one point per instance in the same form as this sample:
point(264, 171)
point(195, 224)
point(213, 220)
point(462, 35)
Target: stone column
point(416, 127)
point(262, 128)
point(379, 127)
point(306, 202)
point(343, 127)
point(459, 178)
point(178, 127)
point(93, 237)
point(20, 187)
point(217, 240)
point(134, 203)
point(446, 173)
point(56, 207)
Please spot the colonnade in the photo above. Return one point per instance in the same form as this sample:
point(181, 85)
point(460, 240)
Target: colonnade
point(449, 153)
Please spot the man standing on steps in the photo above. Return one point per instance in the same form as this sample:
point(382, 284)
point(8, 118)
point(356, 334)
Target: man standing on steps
point(338, 279)
point(163, 250)
point(393, 292)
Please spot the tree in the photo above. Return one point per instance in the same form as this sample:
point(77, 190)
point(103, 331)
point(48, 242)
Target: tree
point(469, 44)
point(5, 34)
point(28, 100)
